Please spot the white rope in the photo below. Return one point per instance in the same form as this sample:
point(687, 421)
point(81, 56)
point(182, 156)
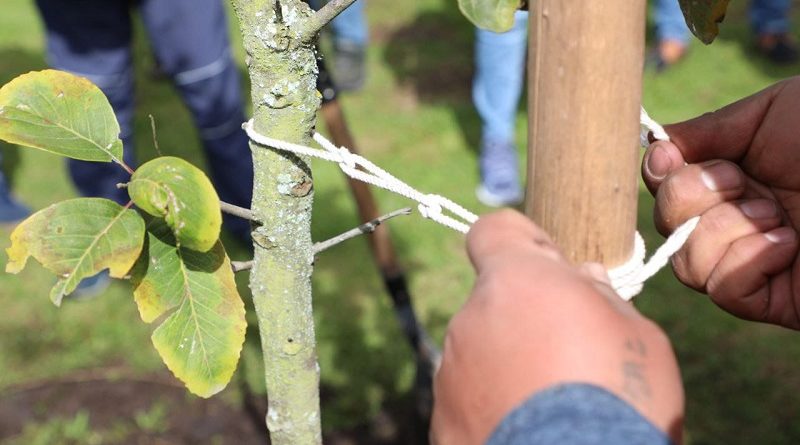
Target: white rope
point(649, 125)
point(627, 279)
point(430, 206)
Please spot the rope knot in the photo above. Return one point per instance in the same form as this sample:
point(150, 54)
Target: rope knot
point(430, 206)
point(348, 159)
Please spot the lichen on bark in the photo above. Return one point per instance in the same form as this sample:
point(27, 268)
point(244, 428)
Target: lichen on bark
point(283, 72)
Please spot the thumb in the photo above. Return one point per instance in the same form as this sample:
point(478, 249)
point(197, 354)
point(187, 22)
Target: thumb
point(728, 132)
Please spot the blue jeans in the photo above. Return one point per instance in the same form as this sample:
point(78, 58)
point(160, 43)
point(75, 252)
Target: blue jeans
point(92, 38)
point(499, 71)
point(496, 89)
point(669, 22)
point(766, 17)
point(349, 27)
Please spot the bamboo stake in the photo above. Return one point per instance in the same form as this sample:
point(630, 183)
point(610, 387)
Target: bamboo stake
point(585, 75)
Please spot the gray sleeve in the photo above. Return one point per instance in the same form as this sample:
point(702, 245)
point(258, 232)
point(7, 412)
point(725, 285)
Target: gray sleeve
point(575, 414)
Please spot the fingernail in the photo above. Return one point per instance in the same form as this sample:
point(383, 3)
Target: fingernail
point(781, 235)
point(659, 163)
point(720, 176)
point(759, 209)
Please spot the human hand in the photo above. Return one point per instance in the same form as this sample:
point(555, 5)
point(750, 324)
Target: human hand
point(533, 321)
point(743, 177)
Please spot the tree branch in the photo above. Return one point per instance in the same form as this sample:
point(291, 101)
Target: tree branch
point(239, 266)
point(322, 17)
point(235, 210)
point(367, 227)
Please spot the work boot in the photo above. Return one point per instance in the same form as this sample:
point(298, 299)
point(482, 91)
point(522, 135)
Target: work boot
point(349, 61)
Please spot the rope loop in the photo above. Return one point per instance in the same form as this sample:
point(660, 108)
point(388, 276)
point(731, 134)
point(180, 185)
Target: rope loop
point(430, 207)
point(649, 125)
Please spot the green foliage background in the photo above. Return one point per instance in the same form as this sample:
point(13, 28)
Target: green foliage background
point(415, 118)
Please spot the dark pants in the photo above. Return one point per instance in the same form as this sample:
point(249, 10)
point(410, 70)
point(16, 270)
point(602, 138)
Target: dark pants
point(92, 38)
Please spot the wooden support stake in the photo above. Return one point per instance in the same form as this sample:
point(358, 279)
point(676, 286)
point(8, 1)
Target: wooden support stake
point(585, 76)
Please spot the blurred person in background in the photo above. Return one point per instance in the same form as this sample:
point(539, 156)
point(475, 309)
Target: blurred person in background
point(769, 21)
point(93, 39)
point(496, 90)
point(672, 35)
point(350, 38)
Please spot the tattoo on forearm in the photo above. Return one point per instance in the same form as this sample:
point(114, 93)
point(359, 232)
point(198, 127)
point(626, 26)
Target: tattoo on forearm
point(634, 382)
point(636, 346)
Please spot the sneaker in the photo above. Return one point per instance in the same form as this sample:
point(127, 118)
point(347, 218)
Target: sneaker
point(91, 287)
point(11, 211)
point(667, 53)
point(494, 199)
point(778, 48)
point(349, 62)
point(499, 175)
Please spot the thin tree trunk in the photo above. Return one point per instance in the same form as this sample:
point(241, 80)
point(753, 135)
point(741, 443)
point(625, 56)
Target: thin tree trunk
point(585, 77)
point(282, 68)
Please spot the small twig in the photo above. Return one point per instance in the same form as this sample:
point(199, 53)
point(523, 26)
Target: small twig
point(367, 227)
point(155, 138)
point(122, 185)
point(239, 266)
point(322, 17)
point(235, 210)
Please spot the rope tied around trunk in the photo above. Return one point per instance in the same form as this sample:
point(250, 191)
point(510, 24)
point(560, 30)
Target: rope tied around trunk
point(627, 279)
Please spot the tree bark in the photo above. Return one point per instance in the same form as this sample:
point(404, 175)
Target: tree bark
point(283, 73)
point(585, 71)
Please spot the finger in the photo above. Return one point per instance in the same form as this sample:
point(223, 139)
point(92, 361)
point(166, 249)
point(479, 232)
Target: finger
point(660, 159)
point(693, 189)
point(500, 235)
point(727, 132)
point(596, 272)
point(719, 227)
point(598, 278)
point(741, 281)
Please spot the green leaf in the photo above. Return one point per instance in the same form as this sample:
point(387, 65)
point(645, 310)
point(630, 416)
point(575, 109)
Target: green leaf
point(200, 341)
point(494, 15)
point(76, 239)
point(704, 16)
point(60, 113)
point(173, 189)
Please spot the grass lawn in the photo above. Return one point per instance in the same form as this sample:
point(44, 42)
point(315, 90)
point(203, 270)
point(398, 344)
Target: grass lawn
point(415, 118)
